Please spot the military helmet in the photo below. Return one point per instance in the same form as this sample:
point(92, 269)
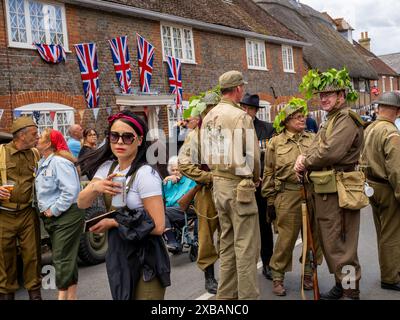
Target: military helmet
point(389, 99)
point(293, 106)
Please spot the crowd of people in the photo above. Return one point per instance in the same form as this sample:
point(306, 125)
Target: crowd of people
point(236, 204)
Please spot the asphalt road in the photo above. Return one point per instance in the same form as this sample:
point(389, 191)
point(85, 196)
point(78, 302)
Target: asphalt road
point(188, 281)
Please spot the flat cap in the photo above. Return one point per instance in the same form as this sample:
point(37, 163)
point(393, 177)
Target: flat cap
point(21, 123)
point(231, 79)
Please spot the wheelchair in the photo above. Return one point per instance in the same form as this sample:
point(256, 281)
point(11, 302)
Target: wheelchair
point(187, 235)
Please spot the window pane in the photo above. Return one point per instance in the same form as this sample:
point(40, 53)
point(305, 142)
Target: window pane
point(177, 43)
point(167, 41)
point(55, 24)
point(37, 22)
point(188, 44)
point(285, 58)
point(256, 54)
point(249, 54)
point(17, 20)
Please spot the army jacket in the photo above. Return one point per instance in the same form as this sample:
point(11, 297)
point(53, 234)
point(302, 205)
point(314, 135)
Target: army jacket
point(381, 153)
point(229, 143)
point(21, 168)
point(280, 157)
point(189, 159)
point(341, 148)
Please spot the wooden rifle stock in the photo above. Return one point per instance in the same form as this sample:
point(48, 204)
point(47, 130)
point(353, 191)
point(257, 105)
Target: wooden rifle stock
point(186, 199)
point(311, 252)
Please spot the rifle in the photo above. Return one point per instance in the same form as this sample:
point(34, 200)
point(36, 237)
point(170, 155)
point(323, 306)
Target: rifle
point(308, 244)
point(185, 201)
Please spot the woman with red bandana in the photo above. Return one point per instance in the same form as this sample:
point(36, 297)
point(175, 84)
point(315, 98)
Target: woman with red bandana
point(57, 188)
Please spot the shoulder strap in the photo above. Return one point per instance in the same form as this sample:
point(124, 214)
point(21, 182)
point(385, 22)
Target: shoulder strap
point(36, 155)
point(3, 166)
point(357, 119)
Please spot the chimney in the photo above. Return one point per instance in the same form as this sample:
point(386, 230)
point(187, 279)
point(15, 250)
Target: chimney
point(365, 41)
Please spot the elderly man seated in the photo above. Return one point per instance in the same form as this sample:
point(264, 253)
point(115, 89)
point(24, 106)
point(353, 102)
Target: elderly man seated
point(175, 186)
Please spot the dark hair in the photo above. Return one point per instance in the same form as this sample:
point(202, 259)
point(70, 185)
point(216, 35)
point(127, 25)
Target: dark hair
point(88, 130)
point(94, 159)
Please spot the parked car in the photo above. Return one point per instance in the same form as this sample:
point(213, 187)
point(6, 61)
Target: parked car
point(92, 247)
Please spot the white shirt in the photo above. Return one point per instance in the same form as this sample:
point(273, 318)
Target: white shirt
point(147, 183)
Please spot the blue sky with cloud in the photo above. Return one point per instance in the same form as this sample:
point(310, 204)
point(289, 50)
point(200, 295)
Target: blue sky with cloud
point(381, 18)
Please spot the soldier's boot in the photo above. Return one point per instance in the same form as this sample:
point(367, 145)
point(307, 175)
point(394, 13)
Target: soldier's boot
point(35, 294)
point(351, 294)
point(7, 296)
point(278, 288)
point(211, 284)
point(334, 294)
point(266, 271)
point(308, 283)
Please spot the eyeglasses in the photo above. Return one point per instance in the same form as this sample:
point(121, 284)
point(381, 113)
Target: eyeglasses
point(127, 137)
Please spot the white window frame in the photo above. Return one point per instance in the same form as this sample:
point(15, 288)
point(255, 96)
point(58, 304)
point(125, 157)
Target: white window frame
point(361, 85)
point(376, 83)
point(383, 84)
point(391, 83)
point(287, 59)
point(178, 116)
point(45, 109)
point(264, 114)
point(28, 44)
point(184, 58)
point(253, 66)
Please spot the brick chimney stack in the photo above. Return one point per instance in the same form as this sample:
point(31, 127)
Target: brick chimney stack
point(365, 41)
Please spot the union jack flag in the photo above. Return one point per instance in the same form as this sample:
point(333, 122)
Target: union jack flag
point(87, 59)
point(145, 58)
point(122, 64)
point(51, 53)
point(175, 78)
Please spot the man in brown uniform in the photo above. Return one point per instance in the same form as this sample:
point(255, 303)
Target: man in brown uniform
point(337, 146)
point(189, 161)
point(380, 159)
point(19, 222)
point(230, 148)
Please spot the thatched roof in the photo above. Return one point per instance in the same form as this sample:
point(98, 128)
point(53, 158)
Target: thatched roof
point(328, 48)
point(241, 14)
point(393, 60)
point(379, 66)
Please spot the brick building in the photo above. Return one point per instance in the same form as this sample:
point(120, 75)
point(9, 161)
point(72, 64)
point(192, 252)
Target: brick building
point(210, 36)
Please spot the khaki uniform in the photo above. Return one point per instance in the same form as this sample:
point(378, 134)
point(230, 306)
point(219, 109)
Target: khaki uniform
point(223, 136)
point(338, 228)
point(282, 189)
point(208, 218)
point(381, 156)
point(19, 225)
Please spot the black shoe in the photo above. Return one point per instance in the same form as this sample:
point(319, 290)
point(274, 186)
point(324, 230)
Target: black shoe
point(391, 286)
point(267, 273)
point(35, 294)
point(211, 284)
point(334, 294)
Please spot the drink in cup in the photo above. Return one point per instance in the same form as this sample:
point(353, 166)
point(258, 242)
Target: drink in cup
point(9, 186)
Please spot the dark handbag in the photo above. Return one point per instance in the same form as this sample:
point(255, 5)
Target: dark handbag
point(134, 225)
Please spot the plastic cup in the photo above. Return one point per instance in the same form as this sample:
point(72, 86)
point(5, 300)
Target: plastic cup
point(9, 186)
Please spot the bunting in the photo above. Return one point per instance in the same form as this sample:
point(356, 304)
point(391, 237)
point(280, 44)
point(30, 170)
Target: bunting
point(145, 62)
point(51, 53)
point(175, 79)
point(122, 64)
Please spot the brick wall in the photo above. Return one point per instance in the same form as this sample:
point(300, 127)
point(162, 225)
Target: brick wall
point(32, 80)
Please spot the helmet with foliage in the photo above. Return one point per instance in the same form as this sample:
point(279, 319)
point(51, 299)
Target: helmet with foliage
point(329, 81)
point(197, 104)
point(293, 106)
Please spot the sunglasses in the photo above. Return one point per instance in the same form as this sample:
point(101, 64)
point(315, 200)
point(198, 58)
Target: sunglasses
point(127, 137)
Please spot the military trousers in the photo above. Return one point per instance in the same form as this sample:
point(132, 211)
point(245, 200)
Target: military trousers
point(208, 223)
point(239, 243)
point(338, 233)
point(386, 211)
point(289, 226)
point(20, 229)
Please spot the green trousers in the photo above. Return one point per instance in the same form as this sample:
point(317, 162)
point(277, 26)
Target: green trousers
point(19, 229)
point(239, 243)
point(386, 210)
point(65, 233)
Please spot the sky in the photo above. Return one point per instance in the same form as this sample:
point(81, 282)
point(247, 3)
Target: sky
point(381, 18)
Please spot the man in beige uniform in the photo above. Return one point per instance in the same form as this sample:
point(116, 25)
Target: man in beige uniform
point(337, 146)
point(282, 190)
point(230, 148)
point(189, 162)
point(380, 158)
point(19, 221)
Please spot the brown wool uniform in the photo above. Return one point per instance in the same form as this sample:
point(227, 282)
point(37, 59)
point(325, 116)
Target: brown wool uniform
point(381, 156)
point(223, 134)
point(340, 151)
point(21, 225)
point(282, 189)
point(208, 221)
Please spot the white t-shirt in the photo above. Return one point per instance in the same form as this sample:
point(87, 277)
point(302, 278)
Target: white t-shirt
point(147, 183)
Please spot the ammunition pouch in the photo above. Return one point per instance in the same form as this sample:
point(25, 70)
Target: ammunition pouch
point(245, 191)
point(350, 186)
point(324, 181)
